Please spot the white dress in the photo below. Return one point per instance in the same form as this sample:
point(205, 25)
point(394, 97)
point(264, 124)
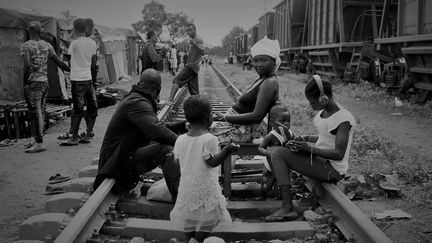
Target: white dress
point(200, 205)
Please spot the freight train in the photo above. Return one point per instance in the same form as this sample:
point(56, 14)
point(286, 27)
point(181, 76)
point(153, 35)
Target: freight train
point(383, 41)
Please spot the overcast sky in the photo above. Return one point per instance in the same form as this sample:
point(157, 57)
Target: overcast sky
point(214, 18)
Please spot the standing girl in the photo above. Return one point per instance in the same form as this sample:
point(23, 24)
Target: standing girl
point(327, 159)
point(200, 205)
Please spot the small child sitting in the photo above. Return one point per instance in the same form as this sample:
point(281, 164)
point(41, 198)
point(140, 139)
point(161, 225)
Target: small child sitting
point(279, 121)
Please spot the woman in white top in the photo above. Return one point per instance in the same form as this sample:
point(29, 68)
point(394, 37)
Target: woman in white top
point(200, 205)
point(322, 157)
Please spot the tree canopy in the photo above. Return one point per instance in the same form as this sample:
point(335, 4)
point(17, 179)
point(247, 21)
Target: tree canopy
point(155, 16)
point(228, 42)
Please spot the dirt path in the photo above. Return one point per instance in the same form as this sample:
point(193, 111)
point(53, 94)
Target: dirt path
point(25, 176)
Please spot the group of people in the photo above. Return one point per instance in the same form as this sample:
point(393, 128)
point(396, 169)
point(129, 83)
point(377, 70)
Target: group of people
point(206, 60)
point(136, 141)
point(175, 58)
point(83, 70)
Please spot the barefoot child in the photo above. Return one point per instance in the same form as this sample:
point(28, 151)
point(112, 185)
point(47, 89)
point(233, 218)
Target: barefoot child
point(200, 205)
point(327, 159)
point(279, 121)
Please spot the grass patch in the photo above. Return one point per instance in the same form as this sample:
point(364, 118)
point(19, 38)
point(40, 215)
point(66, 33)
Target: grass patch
point(367, 91)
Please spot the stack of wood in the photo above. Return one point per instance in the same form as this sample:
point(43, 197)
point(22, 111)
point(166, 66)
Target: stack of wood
point(15, 118)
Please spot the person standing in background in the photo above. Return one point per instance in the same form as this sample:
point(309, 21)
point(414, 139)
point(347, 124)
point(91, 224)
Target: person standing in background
point(189, 74)
point(82, 51)
point(149, 56)
point(35, 53)
point(94, 34)
point(173, 59)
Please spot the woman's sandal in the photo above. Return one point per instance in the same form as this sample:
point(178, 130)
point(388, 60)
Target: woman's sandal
point(58, 178)
point(50, 190)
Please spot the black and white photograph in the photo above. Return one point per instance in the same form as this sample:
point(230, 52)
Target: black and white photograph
point(237, 121)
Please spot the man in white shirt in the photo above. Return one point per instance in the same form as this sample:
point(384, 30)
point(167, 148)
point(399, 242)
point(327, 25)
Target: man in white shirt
point(81, 50)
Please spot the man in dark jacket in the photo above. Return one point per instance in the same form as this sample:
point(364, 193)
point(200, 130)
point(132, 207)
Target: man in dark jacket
point(136, 141)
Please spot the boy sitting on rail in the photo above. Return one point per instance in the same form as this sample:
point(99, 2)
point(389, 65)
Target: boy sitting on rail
point(280, 134)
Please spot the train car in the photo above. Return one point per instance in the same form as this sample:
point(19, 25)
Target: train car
point(252, 38)
point(266, 26)
point(288, 28)
point(241, 47)
point(406, 30)
point(237, 46)
point(244, 42)
point(335, 31)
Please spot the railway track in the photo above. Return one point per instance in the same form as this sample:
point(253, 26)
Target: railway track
point(105, 214)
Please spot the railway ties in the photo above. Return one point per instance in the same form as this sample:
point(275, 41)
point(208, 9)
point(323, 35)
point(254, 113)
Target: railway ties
point(150, 219)
point(131, 217)
point(217, 107)
point(213, 89)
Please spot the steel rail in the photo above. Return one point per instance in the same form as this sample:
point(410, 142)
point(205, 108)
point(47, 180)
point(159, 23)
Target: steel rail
point(353, 224)
point(91, 215)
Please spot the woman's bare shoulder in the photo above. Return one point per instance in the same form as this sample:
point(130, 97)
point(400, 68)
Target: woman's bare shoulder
point(271, 81)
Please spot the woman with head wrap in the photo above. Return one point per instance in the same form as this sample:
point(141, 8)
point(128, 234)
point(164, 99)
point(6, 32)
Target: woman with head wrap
point(254, 104)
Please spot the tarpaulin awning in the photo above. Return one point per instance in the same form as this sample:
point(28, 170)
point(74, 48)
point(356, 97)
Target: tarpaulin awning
point(19, 19)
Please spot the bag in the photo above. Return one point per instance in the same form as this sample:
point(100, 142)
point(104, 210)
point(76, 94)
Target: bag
point(159, 192)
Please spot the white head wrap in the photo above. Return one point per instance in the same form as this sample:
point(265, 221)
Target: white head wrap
point(267, 47)
point(213, 239)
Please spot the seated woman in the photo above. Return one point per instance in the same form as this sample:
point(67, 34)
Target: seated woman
point(325, 161)
point(241, 122)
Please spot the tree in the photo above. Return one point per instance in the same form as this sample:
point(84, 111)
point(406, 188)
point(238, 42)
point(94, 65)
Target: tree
point(154, 16)
point(228, 42)
point(217, 51)
point(176, 22)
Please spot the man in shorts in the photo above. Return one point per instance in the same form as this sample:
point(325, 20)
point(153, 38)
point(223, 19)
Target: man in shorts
point(189, 74)
point(82, 50)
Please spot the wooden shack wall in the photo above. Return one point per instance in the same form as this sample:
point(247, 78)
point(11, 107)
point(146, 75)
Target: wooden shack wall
point(12, 68)
point(115, 58)
point(132, 55)
point(11, 65)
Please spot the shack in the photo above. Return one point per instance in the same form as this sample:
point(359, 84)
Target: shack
point(13, 34)
point(118, 54)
